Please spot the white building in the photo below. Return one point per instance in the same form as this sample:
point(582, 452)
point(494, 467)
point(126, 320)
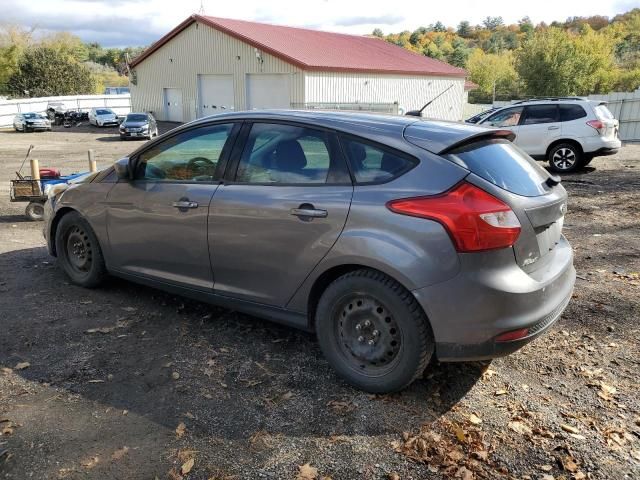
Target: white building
point(208, 65)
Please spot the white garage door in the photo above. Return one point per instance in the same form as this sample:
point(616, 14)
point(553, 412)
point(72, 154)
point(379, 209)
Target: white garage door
point(268, 91)
point(215, 94)
point(173, 104)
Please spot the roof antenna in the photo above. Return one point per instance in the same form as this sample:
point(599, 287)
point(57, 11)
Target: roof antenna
point(201, 11)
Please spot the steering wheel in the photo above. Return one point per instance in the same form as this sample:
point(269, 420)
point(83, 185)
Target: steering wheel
point(199, 162)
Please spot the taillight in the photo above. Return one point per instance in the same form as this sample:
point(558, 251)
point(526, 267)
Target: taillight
point(598, 125)
point(475, 219)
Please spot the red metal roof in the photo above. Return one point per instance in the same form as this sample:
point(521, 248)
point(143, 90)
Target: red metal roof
point(320, 51)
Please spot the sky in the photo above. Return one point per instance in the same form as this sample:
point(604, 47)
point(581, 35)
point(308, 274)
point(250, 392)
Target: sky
point(140, 22)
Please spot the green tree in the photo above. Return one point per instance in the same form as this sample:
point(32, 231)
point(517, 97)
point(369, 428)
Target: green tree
point(493, 73)
point(14, 40)
point(377, 33)
point(45, 71)
point(464, 29)
point(555, 62)
point(493, 23)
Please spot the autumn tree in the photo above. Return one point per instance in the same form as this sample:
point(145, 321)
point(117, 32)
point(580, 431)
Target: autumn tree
point(46, 71)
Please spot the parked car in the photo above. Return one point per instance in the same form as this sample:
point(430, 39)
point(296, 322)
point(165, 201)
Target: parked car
point(138, 125)
point(567, 131)
point(393, 238)
point(102, 117)
point(24, 122)
point(56, 110)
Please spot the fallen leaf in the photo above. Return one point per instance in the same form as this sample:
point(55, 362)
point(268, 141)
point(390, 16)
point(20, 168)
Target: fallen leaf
point(569, 428)
point(118, 454)
point(90, 462)
point(393, 476)
point(307, 472)
point(180, 430)
point(474, 419)
point(460, 435)
point(546, 468)
point(465, 474)
point(520, 427)
point(187, 466)
point(501, 392)
point(22, 365)
point(569, 464)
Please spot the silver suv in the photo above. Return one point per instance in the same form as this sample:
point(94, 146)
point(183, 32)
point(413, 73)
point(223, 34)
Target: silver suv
point(567, 131)
point(393, 238)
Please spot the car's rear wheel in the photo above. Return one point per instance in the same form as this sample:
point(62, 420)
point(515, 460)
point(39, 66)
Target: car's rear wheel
point(79, 252)
point(565, 158)
point(373, 332)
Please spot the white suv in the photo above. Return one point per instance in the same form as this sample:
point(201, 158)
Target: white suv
point(567, 131)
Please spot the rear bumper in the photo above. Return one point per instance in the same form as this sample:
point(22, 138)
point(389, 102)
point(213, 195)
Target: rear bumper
point(597, 146)
point(492, 296)
point(604, 151)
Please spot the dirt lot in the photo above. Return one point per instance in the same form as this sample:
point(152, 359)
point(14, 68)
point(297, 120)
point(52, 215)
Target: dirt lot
point(129, 382)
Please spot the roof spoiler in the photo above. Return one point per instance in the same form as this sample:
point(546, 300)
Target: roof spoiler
point(488, 135)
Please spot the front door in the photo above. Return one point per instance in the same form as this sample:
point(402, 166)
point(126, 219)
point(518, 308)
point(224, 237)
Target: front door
point(281, 214)
point(173, 104)
point(539, 127)
point(157, 223)
point(507, 119)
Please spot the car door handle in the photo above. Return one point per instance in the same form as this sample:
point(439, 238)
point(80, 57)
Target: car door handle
point(555, 127)
point(309, 212)
point(185, 204)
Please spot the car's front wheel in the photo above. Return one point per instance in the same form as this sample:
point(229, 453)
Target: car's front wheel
point(373, 332)
point(565, 158)
point(79, 252)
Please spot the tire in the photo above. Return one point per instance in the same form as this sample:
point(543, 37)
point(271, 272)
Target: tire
point(35, 211)
point(79, 252)
point(565, 158)
point(373, 332)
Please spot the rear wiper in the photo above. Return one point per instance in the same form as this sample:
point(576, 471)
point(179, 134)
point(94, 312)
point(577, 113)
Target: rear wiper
point(553, 180)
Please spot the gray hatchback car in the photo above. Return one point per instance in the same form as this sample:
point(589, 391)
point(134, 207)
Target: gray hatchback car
point(393, 238)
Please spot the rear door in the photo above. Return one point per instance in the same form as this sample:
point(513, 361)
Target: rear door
point(279, 213)
point(539, 127)
point(157, 223)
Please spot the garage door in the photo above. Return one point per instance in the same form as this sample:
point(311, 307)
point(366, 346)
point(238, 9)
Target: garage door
point(173, 104)
point(268, 91)
point(215, 94)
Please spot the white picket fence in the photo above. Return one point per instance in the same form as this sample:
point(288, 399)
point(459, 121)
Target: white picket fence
point(121, 104)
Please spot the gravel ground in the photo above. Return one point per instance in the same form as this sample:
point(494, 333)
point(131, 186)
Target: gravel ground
point(129, 382)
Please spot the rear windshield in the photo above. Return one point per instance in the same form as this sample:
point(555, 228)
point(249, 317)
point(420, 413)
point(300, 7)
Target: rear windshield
point(503, 164)
point(603, 113)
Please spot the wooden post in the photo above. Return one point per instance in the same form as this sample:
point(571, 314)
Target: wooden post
point(92, 161)
point(35, 169)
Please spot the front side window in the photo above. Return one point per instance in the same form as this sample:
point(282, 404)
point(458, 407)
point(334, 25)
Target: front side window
point(505, 118)
point(372, 164)
point(535, 114)
point(189, 156)
point(286, 154)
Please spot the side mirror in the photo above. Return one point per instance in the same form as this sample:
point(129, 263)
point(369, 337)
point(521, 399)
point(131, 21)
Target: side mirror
point(123, 169)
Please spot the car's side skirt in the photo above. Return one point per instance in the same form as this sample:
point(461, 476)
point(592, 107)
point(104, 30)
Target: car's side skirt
point(268, 312)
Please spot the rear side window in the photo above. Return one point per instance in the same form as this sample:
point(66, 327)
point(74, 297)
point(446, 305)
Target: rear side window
point(535, 114)
point(571, 112)
point(503, 164)
point(374, 164)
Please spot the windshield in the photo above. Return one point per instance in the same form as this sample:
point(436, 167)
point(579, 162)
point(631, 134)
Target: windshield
point(104, 112)
point(32, 115)
point(503, 164)
point(136, 118)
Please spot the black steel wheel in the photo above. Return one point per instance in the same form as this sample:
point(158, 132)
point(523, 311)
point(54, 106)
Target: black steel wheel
point(373, 332)
point(79, 252)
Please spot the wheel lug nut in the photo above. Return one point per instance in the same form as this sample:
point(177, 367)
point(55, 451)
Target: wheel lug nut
point(358, 327)
point(375, 333)
point(367, 323)
point(361, 339)
point(371, 342)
